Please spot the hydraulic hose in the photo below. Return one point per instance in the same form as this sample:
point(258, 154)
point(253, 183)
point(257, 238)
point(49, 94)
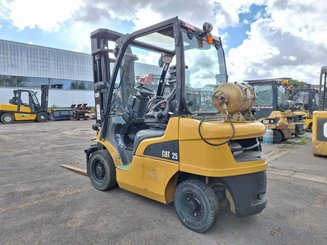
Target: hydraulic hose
point(222, 143)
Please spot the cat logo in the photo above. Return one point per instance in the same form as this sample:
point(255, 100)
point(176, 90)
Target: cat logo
point(165, 154)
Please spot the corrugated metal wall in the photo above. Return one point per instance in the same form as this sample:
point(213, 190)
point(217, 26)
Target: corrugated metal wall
point(18, 59)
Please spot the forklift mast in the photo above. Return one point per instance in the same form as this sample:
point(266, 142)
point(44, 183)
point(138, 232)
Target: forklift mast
point(323, 87)
point(44, 97)
point(102, 64)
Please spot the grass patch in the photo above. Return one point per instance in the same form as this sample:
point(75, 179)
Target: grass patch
point(303, 140)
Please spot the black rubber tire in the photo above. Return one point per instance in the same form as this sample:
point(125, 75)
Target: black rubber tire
point(42, 117)
point(278, 137)
point(7, 118)
point(102, 171)
point(196, 205)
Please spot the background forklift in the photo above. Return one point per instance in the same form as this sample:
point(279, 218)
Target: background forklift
point(306, 100)
point(157, 140)
point(25, 106)
point(319, 122)
point(274, 110)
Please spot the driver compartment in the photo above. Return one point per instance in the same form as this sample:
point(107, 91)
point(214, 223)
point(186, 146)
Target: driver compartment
point(146, 114)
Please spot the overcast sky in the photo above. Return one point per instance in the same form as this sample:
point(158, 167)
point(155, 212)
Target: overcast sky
point(262, 39)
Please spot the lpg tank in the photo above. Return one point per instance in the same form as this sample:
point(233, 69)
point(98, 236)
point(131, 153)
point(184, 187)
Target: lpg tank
point(237, 98)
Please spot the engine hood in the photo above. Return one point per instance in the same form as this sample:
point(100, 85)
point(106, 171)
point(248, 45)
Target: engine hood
point(215, 129)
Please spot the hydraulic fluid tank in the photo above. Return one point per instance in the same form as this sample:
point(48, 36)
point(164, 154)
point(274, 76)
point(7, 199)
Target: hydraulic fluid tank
point(238, 97)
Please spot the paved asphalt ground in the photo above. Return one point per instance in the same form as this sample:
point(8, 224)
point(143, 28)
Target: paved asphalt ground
point(42, 203)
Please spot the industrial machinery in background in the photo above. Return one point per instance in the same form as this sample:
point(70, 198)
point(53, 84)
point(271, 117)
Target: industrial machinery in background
point(306, 101)
point(59, 114)
point(25, 106)
point(319, 122)
point(163, 139)
point(273, 108)
point(75, 112)
point(79, 111)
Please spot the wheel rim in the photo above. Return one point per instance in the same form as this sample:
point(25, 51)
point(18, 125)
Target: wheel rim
point(192, 206)
point(99, 171)
point(7, 118)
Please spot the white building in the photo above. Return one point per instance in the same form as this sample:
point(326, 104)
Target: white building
point(68, 74)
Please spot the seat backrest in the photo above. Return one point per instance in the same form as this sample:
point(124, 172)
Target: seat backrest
point(137, 105)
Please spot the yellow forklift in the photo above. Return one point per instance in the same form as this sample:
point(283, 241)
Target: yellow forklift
point(306, 101)
point(25, 106)
point(157, 140)
point(319, 122)
point(273, 108)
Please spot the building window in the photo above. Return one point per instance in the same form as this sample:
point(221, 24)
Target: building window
point(71, 84)
point(18, 81)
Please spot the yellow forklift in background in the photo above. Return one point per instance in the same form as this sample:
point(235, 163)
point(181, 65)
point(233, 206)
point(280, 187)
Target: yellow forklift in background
point(319, 122)
point(306, 101)
point(273, 108)
point(167, 145)
point(25, 106)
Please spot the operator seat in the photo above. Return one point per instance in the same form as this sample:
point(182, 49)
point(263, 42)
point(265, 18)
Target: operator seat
point(134, 115)
point(157, 117)
point(136, 106)
point(157, 124)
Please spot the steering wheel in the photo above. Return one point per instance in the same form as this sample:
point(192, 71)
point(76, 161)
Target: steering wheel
point(144, 90)
point(160, 110)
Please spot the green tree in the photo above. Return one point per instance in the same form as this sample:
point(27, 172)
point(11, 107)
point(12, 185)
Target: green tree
point(297, 83)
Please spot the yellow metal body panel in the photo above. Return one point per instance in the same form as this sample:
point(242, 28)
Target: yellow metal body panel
point(318, 147)
point(199, 158)
point(155, 178)
point(23, 115)
point(148, 176)
point(283, 122)
point(299, 113)
point(308, 123)
point(307, 117)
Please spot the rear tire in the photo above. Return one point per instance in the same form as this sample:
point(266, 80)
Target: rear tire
point(42, 117)
point(278, 137)
point(7, 118)
point(196, 205)
point(102, 171)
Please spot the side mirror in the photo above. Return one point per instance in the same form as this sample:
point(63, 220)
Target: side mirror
point(165, 59)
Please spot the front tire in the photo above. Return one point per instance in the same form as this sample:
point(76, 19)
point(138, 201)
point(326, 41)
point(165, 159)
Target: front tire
point(42, 117)
point(7, 118)
point(278, 137)
point(102, 171)
point(196, 205)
